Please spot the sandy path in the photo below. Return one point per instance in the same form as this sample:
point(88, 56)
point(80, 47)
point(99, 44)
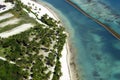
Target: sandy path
point(5, 16)
point(1, 58)
point(4, 59)
point(9, 22)
point(16, 30)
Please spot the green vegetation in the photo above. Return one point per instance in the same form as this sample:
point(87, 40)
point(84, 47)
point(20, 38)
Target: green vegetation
point(12, 1)
point(57, 72)
point(49, 21)
point(34, 51)
point(18, 12)
point(10, 71)
point(22, 15)
point(5, 12)
point(6, 19)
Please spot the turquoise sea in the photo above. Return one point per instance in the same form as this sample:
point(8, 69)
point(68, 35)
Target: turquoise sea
point(106, 11)
point(97, 51)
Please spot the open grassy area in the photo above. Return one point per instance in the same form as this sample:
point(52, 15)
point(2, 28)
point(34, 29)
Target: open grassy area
point(9, 27)
point(17, 14)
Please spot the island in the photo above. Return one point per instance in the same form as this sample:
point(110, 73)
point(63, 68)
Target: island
point(32, 42)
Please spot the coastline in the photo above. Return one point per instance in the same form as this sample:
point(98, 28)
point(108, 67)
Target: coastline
point(69, 57)
point(67, 60)
point(71, 61)
point(65, 65)
point(53, 15)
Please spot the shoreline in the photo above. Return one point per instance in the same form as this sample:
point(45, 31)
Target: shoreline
point(70, 59)
point(69, 73)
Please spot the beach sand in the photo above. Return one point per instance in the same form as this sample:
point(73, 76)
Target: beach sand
point(67, 60)
point(68, 64)
point(71, 61)
point(16, 30)
point(8, 6)
point(66, 71)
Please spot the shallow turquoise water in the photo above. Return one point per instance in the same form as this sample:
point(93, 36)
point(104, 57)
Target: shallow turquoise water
point(107, 11)
point(98, 52)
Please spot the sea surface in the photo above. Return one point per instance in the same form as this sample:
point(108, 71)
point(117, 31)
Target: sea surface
point(106, 11)
point(97, 51)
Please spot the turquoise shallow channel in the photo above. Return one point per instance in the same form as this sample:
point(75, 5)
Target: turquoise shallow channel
point(97, 51)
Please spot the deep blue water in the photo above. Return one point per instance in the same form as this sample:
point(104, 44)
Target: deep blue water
point(97, 51)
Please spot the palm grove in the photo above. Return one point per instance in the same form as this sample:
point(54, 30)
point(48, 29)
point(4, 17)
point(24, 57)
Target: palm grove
point(36, 52)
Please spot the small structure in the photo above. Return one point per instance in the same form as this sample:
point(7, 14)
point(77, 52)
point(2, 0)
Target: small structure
point(2, 6)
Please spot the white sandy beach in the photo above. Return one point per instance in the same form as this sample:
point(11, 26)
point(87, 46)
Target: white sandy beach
point(38, 9)
point(64, 59)
point(65, 65)
point(44, 10)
